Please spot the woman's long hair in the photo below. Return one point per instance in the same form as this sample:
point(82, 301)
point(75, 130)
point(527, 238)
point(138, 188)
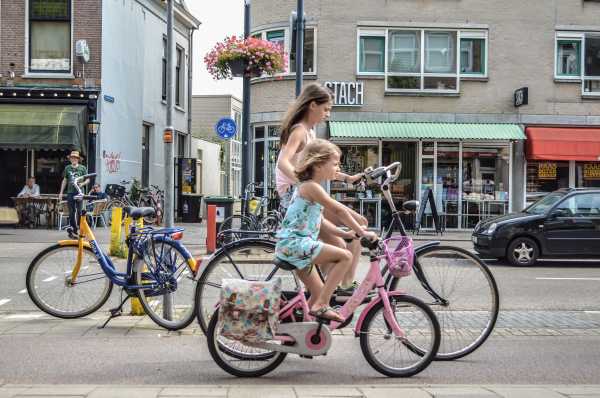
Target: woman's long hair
point(298, 110)
point(315, 153)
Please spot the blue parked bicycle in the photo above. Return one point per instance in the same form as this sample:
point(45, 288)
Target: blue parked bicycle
point(74, 278)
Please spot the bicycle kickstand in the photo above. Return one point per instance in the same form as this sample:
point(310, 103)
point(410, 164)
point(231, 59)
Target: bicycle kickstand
point(115, 312)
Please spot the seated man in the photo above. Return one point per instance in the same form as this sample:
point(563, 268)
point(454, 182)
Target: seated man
point(97, 192)
point(30, 190)
point(29, 212)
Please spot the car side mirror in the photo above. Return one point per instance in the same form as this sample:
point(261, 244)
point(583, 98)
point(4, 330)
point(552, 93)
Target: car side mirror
point(559, 213)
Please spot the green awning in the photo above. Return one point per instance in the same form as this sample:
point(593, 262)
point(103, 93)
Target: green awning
point(433, 131)
point(24, 126)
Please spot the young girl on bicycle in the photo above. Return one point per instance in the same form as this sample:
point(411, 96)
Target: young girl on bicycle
point(312, 107)
point(298, 241)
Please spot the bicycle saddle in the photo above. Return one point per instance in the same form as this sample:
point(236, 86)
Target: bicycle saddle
point(139, 212)
point(284, 265)
point(411, 205)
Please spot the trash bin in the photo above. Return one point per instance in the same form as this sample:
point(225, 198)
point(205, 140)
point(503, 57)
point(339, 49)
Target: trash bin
point(224, 206)
point(190, 208)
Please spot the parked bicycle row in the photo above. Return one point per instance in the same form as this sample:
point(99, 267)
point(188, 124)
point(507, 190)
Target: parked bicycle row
point(250, 334)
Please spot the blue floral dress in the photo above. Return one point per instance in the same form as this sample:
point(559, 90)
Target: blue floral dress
point(297, 239)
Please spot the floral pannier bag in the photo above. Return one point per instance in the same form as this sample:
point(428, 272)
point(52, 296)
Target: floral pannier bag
point(249, 311)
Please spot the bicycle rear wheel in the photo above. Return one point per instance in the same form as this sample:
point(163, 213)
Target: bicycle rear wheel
point(49, 282)
point(471, 302)
point(249, 259)
point(238, 359)
point(400, 356)
point(171, 305)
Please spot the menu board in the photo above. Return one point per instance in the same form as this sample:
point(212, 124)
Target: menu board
point(591, 171)
point(547, 170)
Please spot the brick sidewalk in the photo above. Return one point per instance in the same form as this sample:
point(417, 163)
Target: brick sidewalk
point(279, 391)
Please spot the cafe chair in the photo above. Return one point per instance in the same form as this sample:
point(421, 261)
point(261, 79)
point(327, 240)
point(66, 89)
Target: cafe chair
point(98, 208)
point(63, 213)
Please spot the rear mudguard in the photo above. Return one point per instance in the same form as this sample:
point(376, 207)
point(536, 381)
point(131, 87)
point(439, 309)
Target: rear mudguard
point(372, 304)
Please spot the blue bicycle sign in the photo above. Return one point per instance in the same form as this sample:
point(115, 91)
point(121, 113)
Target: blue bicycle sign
point(226, 128)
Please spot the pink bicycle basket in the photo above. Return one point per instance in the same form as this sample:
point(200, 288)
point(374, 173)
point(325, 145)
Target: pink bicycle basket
point(400, 254)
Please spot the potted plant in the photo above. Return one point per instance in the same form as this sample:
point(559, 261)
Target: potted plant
point(236, 57)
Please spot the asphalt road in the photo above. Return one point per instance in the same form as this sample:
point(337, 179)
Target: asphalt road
point(563, 294)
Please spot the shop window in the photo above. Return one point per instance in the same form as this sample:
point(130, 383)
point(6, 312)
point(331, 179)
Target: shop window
point(485, 183)
point(403, 188)
point(545, 176)
point(355, 158)
point(587, 174)
point(472, 57)
point(371, 54)
point(50, 36)
point(568, 58)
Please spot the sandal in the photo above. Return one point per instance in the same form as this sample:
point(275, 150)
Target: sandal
point(320, 313)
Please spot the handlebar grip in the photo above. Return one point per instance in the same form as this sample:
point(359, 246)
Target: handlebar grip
point(369, 244)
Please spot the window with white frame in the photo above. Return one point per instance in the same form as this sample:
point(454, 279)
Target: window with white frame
point(422, 59)
point(591, 66)
point(179, 78)
point(473, 53)
point(50, 36)
point(577, 58)
point(288, 42)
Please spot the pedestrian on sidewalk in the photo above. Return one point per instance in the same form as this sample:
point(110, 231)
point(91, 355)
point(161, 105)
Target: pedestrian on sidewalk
point(297, 131)
point(71, 172)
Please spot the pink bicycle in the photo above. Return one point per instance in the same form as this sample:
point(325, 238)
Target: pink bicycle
point(399, 334)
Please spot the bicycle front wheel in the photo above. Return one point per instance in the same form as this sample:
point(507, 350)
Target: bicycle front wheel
point(50, 286)
point(469, 305)
point(171, 304)
point(249, 259)
point(400, 356)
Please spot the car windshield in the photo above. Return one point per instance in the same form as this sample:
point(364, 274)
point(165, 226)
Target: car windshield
point(542, 205)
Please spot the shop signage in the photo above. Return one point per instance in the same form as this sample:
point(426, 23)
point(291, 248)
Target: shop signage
point(547, 171)
point(591, 171)
point(347, 93)
point(521, 96)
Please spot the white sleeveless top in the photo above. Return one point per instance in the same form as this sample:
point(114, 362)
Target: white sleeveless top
point(283, 182)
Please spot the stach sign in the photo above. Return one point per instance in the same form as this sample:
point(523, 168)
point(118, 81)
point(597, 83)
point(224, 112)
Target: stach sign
point(346, 93)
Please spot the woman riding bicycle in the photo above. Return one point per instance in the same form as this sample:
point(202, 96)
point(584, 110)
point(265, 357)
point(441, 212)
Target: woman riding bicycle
point(298, 244)
point(310, 108)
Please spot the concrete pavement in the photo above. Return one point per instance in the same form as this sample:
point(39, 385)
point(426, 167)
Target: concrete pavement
point(308, 391)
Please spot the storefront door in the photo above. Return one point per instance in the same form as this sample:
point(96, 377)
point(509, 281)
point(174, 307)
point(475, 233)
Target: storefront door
point(14, 174)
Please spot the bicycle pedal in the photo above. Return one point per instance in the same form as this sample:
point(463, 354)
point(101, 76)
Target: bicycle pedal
point(115, 312)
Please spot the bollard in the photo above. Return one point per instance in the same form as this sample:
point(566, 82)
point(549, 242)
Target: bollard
point(115, 232)
point(211, 228)
point(136, 306)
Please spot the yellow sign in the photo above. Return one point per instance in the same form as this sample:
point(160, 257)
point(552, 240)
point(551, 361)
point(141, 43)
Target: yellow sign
point(591, 171)
point(547, 171)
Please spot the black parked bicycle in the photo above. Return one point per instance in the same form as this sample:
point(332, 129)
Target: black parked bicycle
point(455, 282)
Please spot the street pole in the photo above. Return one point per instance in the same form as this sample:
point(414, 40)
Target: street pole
point(246, 136)
point(299, 46)
point(168, 145)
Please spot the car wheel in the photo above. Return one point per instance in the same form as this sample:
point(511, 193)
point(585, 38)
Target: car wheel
point(522, 252)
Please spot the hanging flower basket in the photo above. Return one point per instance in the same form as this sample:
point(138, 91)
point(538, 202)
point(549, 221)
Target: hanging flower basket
point(236, 57)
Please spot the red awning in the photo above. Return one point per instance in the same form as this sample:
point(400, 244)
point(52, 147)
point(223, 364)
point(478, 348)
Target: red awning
point(554, 143)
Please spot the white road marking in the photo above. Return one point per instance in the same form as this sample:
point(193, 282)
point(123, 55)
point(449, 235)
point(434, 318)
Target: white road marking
point(592, 312)
point(49, 279)
point(568, 279)
point(4, 301)
point(24, 316)
point(23, 291)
